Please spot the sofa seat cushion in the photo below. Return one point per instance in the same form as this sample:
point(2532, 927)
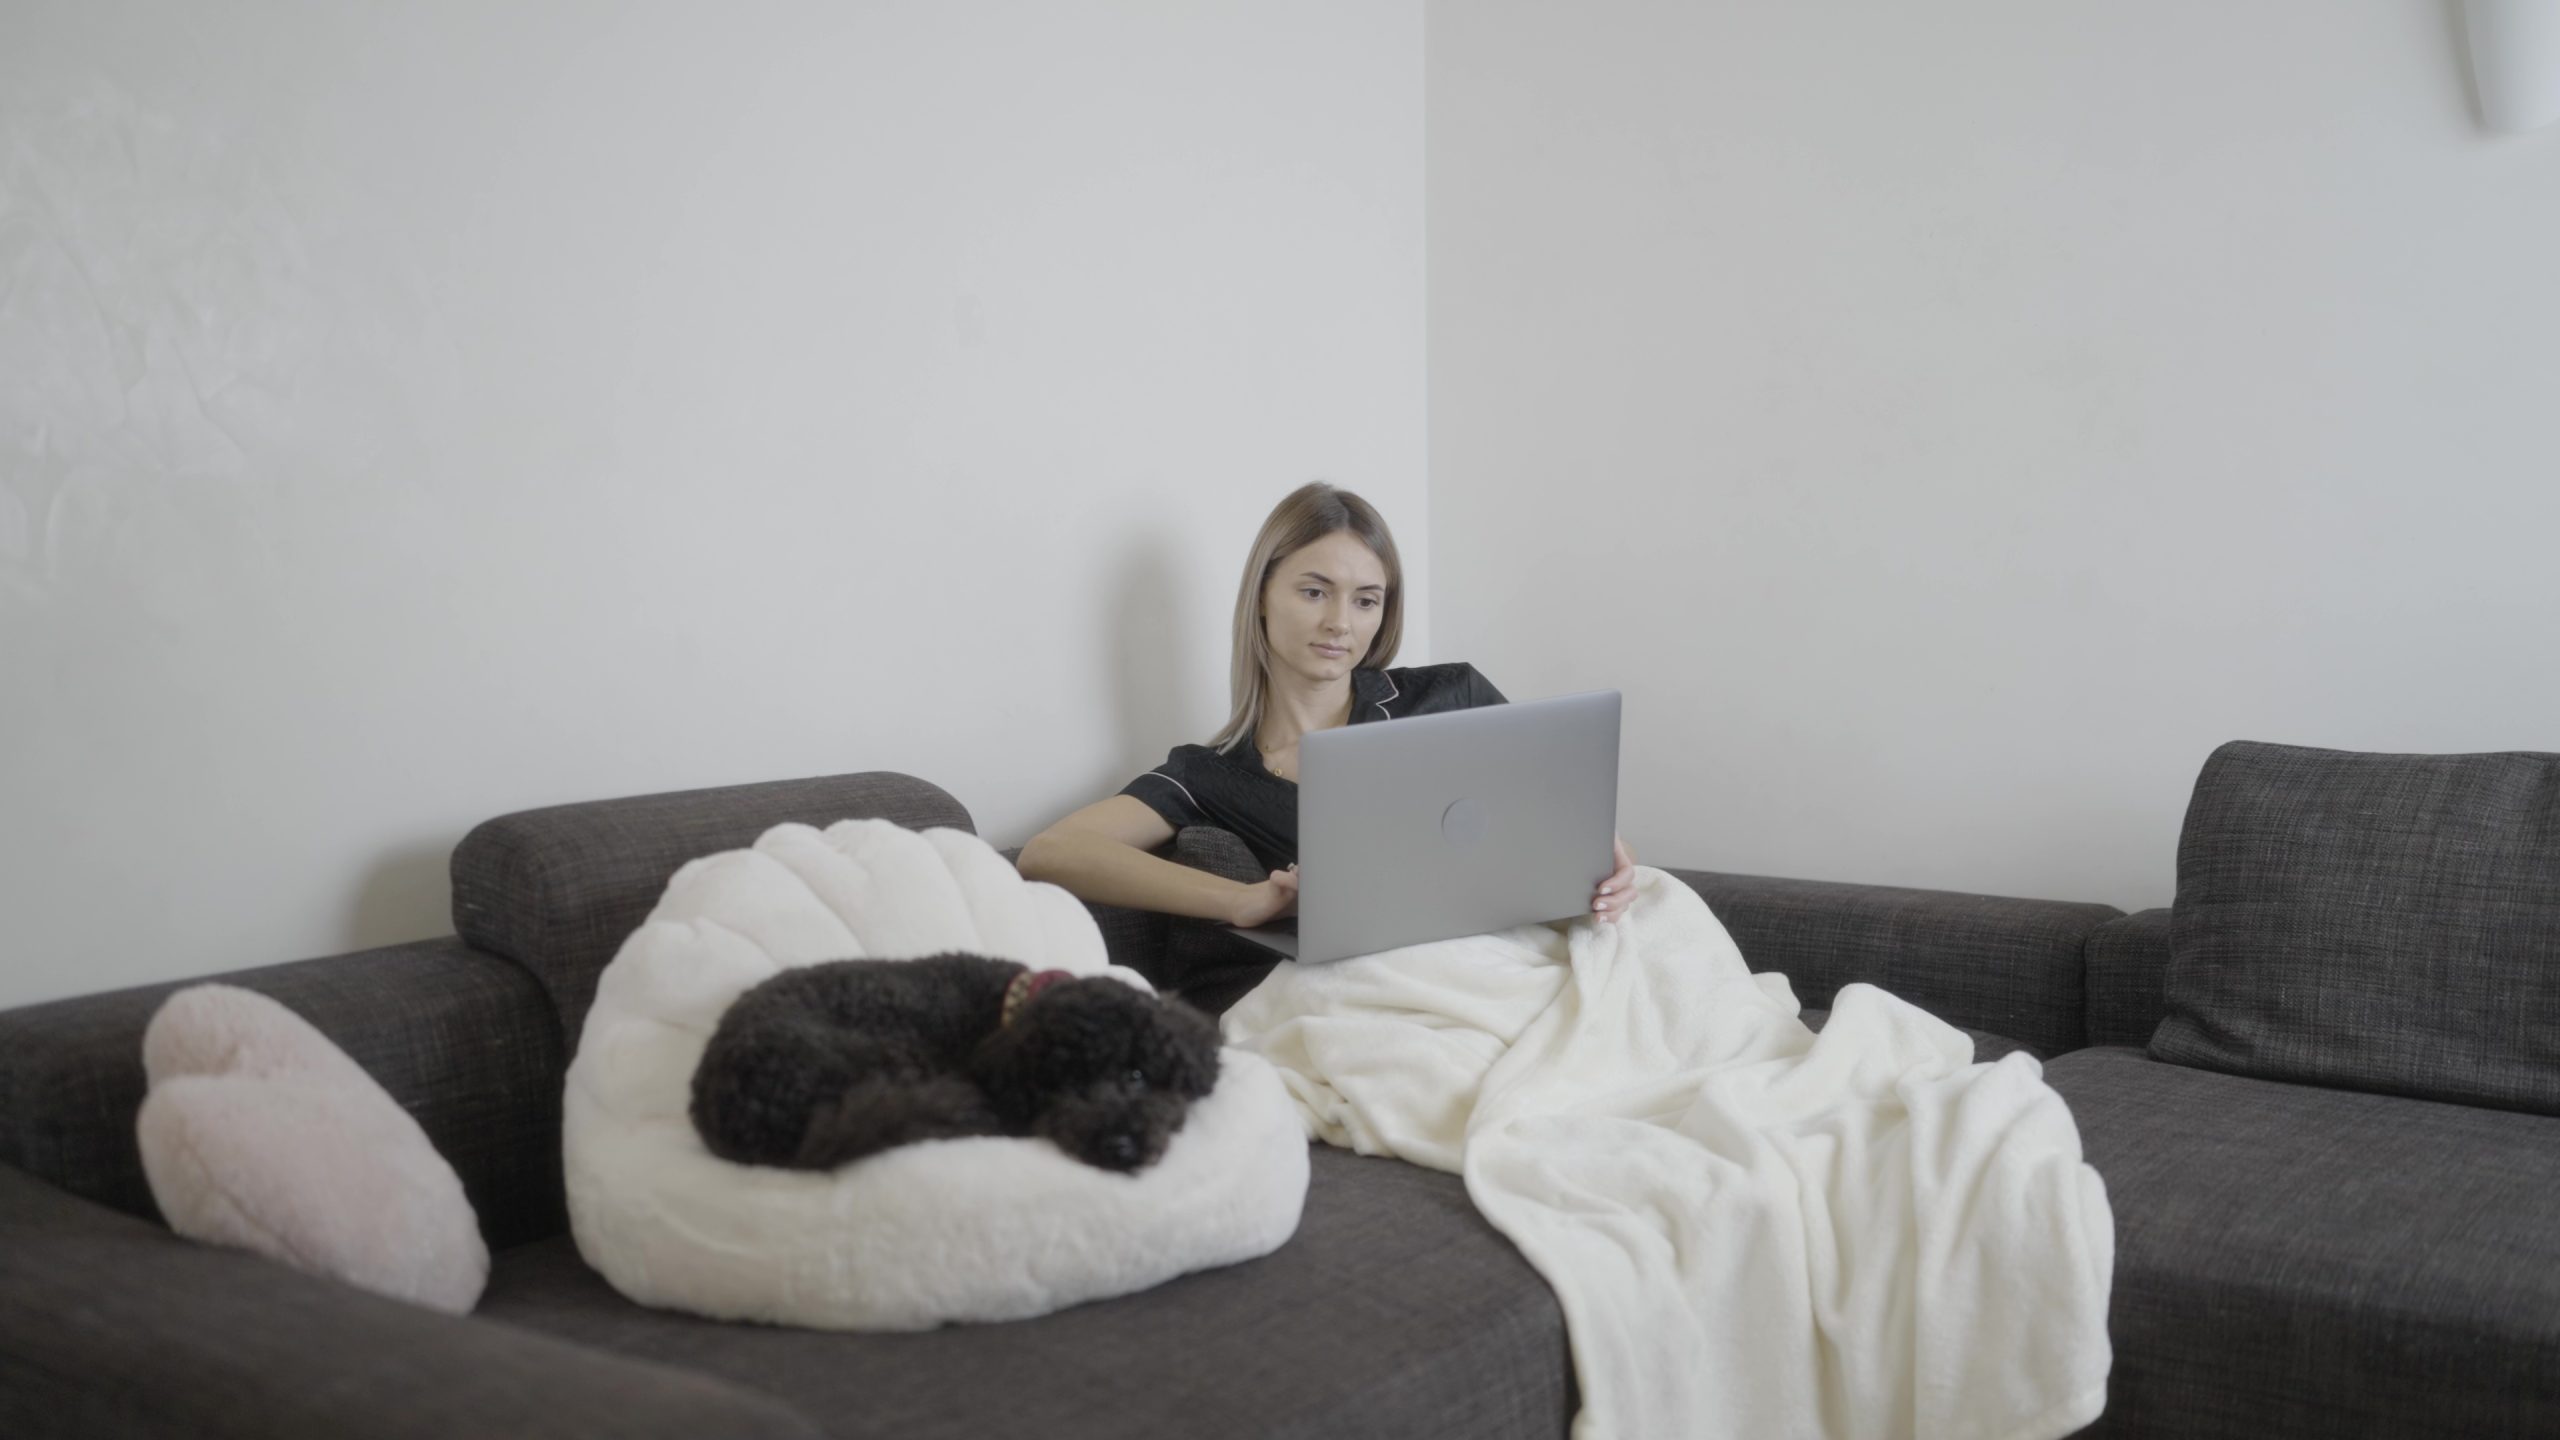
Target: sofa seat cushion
point(2293, 1260)
point(1395, 1311)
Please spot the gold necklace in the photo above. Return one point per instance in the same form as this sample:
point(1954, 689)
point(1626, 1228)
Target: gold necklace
point(1271, 768)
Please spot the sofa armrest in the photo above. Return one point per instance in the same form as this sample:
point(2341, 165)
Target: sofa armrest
point(466, 1042)
point(1984, 962)
point(110, 1326)
point(2129, 978)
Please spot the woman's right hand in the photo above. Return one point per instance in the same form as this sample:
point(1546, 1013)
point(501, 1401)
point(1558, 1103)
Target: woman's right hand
point(1268, 901)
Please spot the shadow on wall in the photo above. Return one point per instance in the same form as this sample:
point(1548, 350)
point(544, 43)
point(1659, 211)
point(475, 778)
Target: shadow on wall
point(1156, 694)
point(2458, 60)
point(1155, 687)
point(407, 895)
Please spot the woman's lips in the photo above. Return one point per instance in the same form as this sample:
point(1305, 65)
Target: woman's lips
point(1333, 650)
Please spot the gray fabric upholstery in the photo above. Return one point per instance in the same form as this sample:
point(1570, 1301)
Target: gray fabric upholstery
point(110, 1327)
point(2291, 1260)
point(2294, 1261)
point(1986, 1046)
point(2007, 970)
point(1395, 1311)
point(557, 890)
point(1204, 961)
point(2381, 922)
point(1983, 962)
point(465, 1041)
point(2128, 971)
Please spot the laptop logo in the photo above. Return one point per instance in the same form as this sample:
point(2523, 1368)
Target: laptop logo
point(1464, 824)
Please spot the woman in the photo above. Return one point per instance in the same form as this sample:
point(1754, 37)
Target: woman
point(1318, 617)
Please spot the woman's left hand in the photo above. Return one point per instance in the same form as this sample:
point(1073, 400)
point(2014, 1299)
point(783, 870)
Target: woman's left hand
point(1615, 893)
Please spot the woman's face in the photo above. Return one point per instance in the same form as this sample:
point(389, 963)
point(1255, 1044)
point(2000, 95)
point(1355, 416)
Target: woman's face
point(1323, 605)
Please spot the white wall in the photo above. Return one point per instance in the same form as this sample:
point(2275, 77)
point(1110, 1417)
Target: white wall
point(1948, 422)
point(418, 415)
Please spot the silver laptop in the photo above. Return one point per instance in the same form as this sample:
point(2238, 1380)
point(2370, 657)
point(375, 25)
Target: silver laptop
point(1458, 823)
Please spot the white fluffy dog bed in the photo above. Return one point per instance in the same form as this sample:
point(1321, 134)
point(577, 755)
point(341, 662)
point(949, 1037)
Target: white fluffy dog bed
point(982, 1228)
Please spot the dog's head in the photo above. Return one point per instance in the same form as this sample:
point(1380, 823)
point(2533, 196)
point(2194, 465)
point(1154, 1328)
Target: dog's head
point(1103, 1069)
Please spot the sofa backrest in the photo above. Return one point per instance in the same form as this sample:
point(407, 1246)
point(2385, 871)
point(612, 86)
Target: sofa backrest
point(464, 1041)
point(1992, 962)
point(557, 890)
point(2128, 966)
point(2005, 964)
point(2376, 922)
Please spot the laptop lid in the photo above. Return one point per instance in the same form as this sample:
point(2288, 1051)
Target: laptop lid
point(1458, 823)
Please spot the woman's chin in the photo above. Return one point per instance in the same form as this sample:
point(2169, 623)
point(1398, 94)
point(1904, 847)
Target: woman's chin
point(1317, 667)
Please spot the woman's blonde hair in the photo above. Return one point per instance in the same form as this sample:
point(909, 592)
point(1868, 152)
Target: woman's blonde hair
point(1308, 514)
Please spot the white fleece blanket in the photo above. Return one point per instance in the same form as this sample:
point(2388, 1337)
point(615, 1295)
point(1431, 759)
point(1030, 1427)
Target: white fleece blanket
point(1755, 1231)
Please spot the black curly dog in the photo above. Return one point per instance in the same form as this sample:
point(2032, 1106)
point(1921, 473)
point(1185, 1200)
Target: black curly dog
point(831, 1062)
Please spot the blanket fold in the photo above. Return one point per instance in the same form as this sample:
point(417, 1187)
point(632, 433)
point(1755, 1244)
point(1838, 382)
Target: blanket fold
point(1755, 1231)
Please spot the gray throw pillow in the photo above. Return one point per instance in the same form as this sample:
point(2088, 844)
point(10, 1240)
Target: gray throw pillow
point(2388, 923)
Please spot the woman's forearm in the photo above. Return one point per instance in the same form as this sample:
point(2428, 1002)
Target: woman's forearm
point(1101, 869)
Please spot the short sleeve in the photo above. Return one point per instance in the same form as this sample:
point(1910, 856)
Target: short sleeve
point(1480, 691)
point(1167, 790)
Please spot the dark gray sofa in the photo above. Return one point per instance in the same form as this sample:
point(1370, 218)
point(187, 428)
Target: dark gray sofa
point(1395, 1311)
point(2312, 1239)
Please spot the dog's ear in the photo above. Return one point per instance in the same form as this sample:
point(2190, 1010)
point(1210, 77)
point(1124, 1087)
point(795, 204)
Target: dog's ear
point(1180, 1051)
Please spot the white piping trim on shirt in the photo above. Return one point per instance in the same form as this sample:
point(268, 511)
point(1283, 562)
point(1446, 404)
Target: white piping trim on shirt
point(1178, 785)
point(1392, 692)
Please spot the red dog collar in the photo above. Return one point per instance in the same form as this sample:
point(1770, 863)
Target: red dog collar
point(1025, 987)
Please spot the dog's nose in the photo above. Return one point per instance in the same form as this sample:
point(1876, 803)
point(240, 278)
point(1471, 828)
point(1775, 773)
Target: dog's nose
point(1122, 1148)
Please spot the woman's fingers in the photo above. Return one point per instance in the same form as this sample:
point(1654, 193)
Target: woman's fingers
point(1610, 900)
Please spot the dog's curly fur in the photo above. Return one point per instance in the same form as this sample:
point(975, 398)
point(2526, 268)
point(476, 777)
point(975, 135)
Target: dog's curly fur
point(827, 1063)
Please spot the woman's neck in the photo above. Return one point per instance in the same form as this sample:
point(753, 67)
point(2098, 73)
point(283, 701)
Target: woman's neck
point(1295, 706)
